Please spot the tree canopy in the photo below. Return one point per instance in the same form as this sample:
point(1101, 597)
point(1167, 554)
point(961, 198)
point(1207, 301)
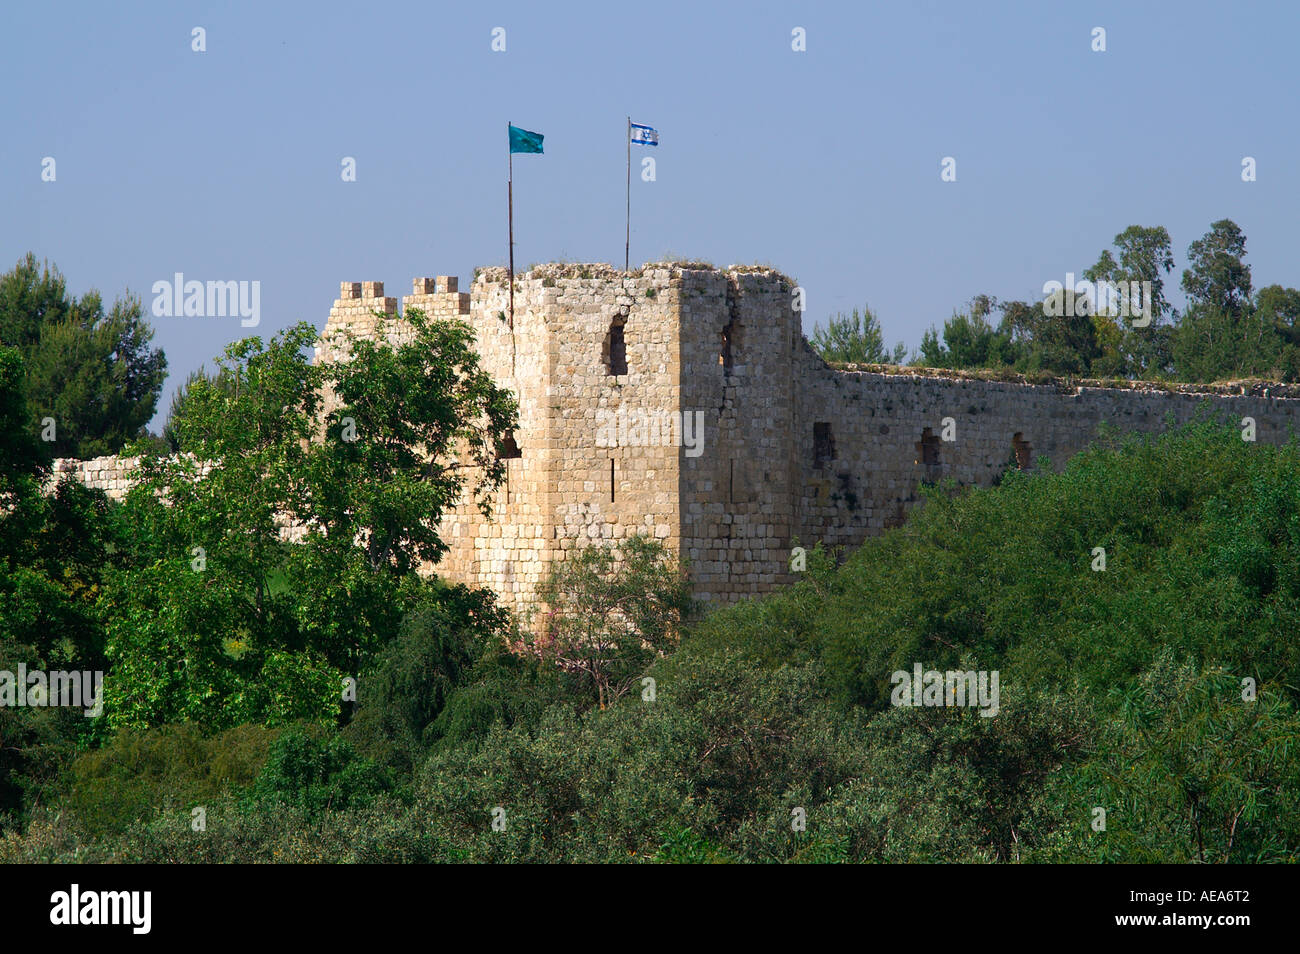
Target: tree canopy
point(855, 338)
point(91, 371)
point(258, 628)
point(1228, 330)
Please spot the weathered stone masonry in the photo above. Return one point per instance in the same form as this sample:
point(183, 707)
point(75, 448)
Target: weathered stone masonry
point(110, 474)
point(793, 450)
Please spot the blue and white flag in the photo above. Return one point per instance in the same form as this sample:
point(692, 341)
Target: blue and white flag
point(644, 135)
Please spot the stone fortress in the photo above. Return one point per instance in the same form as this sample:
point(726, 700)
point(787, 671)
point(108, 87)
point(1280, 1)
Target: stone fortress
point(788, 450)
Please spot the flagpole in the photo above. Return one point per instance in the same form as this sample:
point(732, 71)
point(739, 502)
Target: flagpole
point(510, 201)
point(627, 242)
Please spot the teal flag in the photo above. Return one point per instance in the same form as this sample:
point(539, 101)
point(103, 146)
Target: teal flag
point(521, 140)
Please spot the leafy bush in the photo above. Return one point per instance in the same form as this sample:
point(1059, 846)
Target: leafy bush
point(1125, 689)
point(139, 773)
point(610, 611)
point(446, 643)
point(315, 773)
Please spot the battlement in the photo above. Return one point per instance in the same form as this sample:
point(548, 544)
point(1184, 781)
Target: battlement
point(354, 311)
point(438, 297)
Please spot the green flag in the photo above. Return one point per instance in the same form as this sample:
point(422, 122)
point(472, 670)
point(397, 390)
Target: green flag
point(521, 140)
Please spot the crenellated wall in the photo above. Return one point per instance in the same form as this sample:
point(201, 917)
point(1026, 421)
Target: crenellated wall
point(792, 449)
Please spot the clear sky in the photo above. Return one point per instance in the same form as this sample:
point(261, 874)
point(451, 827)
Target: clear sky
point(225, 164)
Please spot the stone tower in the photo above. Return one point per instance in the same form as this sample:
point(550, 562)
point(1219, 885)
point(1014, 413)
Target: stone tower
point(604, 366)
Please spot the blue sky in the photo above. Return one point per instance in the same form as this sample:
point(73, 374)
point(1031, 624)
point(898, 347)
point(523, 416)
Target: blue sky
point(825, 163)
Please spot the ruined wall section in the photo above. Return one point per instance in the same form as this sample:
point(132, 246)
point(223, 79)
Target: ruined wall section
point(614, 391)
point(738, 496)
point(616, 348)
point(887, 434)
point(857, 460)
point(112, 474)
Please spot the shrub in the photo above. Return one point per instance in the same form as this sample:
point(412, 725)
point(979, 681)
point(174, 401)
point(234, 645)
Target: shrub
point(139, 773)
point(314, 773)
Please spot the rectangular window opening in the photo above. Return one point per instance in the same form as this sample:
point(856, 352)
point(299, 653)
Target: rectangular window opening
point(823, 444)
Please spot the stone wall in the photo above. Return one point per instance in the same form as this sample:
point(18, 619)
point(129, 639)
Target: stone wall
point(110, 474)
point(792, 450)
point(738, 497)
point(887, 431)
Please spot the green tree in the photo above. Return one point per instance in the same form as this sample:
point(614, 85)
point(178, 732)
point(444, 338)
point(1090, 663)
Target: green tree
point(314, 772)
point(1221, 336)
point(1190, 772)
point(54, 543)
point(1047, 337)
point(20, 452)
point(1218, 277)
point(1145, 255)
point(610, 613)
point(176, 411)
point(218, 611)
point(53, 550)
point(855, 339)
point(969, 340)
point(1278, 309)
point(92, 371)
point(439, 651)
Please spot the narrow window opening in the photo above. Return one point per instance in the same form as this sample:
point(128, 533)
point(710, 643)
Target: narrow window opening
point(1023, 451)
point(730, 344)
point(731, 483)
point(616, 348)
point(928, 455)
point(611, 480)
point(823, 443)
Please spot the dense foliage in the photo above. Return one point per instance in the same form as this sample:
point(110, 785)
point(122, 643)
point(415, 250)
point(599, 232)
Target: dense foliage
point(855, 338)
point(215, 618)
point(1227, 330)
point(1159, 690)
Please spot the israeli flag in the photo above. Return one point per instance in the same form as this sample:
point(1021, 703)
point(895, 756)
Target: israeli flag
point(644, 135)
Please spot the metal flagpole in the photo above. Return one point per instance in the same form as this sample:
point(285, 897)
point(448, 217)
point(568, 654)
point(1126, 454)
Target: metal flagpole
point(627, 244)
point(510, 201)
